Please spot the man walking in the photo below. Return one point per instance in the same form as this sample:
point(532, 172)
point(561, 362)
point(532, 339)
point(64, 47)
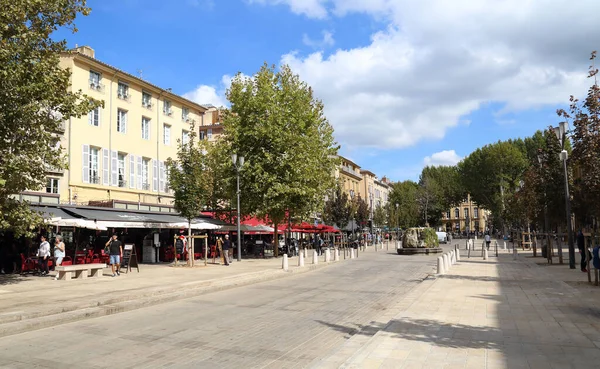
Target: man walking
point(116, 253)
point(581, 247)
point(488, 240)
point(226, 248)
point(43, 255)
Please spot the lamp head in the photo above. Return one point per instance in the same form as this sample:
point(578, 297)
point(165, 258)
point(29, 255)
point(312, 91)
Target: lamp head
point(241, 161)
point(234, 158)
point(557, 133)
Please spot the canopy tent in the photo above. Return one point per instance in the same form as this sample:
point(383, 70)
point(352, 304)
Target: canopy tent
point(57, 217)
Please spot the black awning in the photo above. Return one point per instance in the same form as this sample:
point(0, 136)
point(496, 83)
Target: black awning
point(49, 212)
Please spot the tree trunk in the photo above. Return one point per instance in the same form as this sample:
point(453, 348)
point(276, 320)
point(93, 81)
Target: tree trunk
point(190, 245)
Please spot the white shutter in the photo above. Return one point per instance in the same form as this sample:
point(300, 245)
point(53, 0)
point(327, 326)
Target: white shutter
point(124, 122)
point(105, 167)
point(139, 172)
point(86, 164)
point(131, 171)
point(154, 175)
point(91, 118)
point(161, 178)
point(114, 168)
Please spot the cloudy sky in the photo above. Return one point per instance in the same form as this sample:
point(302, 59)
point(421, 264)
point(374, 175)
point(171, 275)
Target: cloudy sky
point(405, 83)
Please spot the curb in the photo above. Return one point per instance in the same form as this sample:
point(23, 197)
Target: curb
point(15, 324)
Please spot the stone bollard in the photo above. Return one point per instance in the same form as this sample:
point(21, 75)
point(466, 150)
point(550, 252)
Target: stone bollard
point(327, 256)
point(315, 257)
point(485, 254)
point(336, 255)
point(446, 263)
point(440, 265)
point(352, 253)
point(285, 264)
point(457, 255)
point(514, 253)
point(504, 245)
point(301, 259)
point(453, 257)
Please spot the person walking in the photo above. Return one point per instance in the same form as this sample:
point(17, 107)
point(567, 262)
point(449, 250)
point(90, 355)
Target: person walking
point(43, 255)
point(219, 247)
point(581, 247)
point(488, 240)
point(59, 252)
point(115, 249)
point(226, 247)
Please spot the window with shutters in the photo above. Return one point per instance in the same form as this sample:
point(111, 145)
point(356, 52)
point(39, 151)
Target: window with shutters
point(166, 134)
point(147, 100)
point(476, 212)
point(145, 128)
point(94, 117)
point(121, 170)
point(185, 112)
point(94, 165)
point(123, 91)
point(185, 137)
point(121, 121)
point(466, 212)
point(202, 135)
point(52, 185)
point(209, 133)
point(145, 174)
point(456, 213)
point(167, 110)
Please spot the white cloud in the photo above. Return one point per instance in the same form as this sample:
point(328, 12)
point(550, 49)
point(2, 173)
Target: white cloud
point(326, 41)
point(438, 61)
point(204, 94)
point(446, 157)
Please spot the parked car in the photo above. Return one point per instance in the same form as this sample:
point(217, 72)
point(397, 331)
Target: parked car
point(442, 237)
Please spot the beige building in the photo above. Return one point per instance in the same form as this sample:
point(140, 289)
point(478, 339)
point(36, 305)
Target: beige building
point(349, 176)
point(466, 214)
point(211, 126)
point(117, 154)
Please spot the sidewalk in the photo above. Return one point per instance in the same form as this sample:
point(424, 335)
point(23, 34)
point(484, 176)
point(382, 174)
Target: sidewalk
point(497, 313)
point(31, 302)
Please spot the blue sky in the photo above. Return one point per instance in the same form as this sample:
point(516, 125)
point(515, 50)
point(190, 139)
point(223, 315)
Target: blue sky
point(404, 83)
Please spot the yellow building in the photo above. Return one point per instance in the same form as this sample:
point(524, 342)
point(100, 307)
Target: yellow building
point(117, 154)
point(349, 176)
point(381, 192)
point(467, 213)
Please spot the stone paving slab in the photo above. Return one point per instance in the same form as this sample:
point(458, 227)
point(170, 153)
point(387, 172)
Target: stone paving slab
point(498, 313)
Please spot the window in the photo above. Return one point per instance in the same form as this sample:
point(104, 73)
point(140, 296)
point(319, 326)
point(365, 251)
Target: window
point(52, 185)
point(202, 135)
point(184, 114)
point(145, 128)
point(94, 117)
point(476, 212)
point(167, 134)
point(167, 107)
point(121, 170)
point(456, 213)
point(95, 79)
point(123, 91)
point(209, 134)
point(121, 121)
point(448, 214)
point(93, 165)
point(147, 100)
point(466, 213)
point(145, 168)
point(185, 137)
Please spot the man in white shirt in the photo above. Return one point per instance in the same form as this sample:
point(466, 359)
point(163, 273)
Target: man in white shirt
point(43, 256)
point(488, 240)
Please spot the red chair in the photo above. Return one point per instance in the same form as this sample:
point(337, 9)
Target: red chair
point(96, 259)
point(104, 257)
point(67, 261)
point(28, 265)
point(80, 257)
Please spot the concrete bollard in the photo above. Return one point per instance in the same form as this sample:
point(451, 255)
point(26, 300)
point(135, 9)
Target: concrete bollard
point(315, 257)
point(453, 254)
point(457, 255)
point(301, 259)
point(514, 253)
point(327, 256)
point(352, 253)
point(446, 262)
point(285, 265)
point(336, 255)
point(504, 245)
point(440, 265)
point(485, 254)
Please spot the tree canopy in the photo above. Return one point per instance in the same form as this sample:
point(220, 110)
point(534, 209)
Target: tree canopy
point(34, 101)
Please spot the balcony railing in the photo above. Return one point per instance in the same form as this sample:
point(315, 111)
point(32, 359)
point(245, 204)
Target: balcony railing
point(122, 184)
point(146, 186)
point(94, 179)
point(96, 85)
point(125, 96)
point(147, 104)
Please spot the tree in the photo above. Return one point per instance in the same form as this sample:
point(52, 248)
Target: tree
point(190, 179)
point(280, 128)
point(441, 189)
point(337, 208)
point(379, 216)
point(362, 211)
point(34, 101)
point(406, 195)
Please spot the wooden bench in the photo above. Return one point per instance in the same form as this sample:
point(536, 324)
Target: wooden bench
point(80, 271)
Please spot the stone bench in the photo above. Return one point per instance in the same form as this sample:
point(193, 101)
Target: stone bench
point(80, 271)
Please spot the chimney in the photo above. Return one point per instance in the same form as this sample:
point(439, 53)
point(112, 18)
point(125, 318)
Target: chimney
point(86, 50)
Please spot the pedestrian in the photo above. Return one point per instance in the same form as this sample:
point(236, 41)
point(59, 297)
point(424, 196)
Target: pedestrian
point(219, 247)
point(43, 255)
point(115, 249)
point(488, 240)
point(581, 247)
point(59, 252)
point(226, 247)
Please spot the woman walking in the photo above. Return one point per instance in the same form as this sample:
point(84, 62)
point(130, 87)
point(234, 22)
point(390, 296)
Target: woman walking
point(59, 252)
point(43, 255)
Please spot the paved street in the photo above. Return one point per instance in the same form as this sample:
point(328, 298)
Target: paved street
point(292, 322)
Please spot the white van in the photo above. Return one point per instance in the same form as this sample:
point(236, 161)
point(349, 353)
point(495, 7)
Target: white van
point(442, 237)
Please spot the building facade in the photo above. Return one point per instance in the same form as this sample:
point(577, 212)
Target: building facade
point(467, 214)
point(211, 126)
point(349, 176)
point(118, 153)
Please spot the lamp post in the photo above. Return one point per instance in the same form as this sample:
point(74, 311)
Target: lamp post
point(238, 163)
point(397, 223)
point(352, 199)
point(561, 134)
point(540, 158)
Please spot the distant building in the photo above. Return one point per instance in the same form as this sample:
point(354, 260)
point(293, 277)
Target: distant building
point(466, 214)
point(210, 128)
point(348, 173)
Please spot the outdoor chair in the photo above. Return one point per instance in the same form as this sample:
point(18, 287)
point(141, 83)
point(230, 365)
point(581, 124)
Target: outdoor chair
point(67, 261)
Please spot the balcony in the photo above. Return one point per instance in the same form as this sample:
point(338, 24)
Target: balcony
point(54, 170)
point(147, 104)
point(168, 112)
point(124, 96)
point(146, 186)
point(122, 184)
point(94, 179)
point(96, 85)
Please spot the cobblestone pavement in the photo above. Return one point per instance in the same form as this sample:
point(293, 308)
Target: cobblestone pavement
point(288, 323)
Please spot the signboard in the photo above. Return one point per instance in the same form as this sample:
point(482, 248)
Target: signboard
point(129, 258)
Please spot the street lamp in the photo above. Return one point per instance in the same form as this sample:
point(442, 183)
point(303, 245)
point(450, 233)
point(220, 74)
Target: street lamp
point(561, 134)
point(238, 163)
point(397, 223)
point(540, 158)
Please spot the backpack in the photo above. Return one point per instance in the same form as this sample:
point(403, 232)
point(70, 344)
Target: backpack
point(179, 245)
